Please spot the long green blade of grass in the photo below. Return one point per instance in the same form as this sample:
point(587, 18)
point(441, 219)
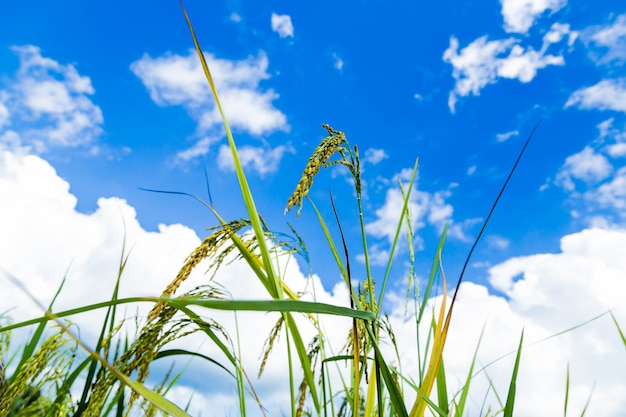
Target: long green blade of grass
point(273, 278)
point(442, 389)
point(584, 411)
point(34, 340)
point(189, 353)
point(619, 329)
point(110, 320)
point(440, 330)
point(441, 412)
point(510, 400)
point(232, 305)
point(243, 182)
point(433, 273)
point(356, 348)
point(394, 393)
point(566, 391)
point(154, 398)
point(403, 213)
point(460, 407)
point(335, 252)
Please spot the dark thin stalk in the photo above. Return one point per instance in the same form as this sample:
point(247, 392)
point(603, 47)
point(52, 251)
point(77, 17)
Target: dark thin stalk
point(493, 207)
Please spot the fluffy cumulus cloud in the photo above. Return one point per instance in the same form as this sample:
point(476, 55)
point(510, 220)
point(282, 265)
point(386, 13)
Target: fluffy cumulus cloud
point(374, 156)
point(595, 177)
point(49, 104)
point(263, 160)
point(425, 208)
point(607, 43)
point(520, 15)
point(483, 62)
point(613, 139)
point(588, 274)
point(609, 94)
point(610, 194)
point(45, 238)
point(281, 24)
point(587, 166)
point(178, 80)
point(543, 295)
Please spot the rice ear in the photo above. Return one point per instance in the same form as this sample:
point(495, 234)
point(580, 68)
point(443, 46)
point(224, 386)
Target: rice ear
point(331, 144)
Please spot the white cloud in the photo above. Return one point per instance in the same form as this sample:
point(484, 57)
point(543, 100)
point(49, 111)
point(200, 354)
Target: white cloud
point(178, 80)
point(235, 17)
point(263, 160)
point(611, 194)
point(605, 126)
point(503, 137)
point(252, 111)
point(425, 209)
point(482, 62)
point(558, 31)
point(4, 111)
point(497, 242)
point(608, 94)
point(387, 216)
point(49, 103)
point(587, 166)
point(43, 235)
point(609, 41)
point(200, 148)
point(523, 65)
point(614, 139)
point(338, 62)
point(374, 156)
point(587, 266)
point(617, 150)
point(596, 178)
point(546, 293)
point(476, 65)
point(520, 15)
point(281, 24)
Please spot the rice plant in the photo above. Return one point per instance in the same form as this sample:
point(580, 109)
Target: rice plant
point(56, 374)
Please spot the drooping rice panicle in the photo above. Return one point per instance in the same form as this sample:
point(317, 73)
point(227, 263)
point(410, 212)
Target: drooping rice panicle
point(209, 247)
point(331, 144)
point(313, 353)
point(269, 343)
point(45, 365)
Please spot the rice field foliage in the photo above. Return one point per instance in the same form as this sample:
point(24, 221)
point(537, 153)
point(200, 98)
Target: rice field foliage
point(56, 374)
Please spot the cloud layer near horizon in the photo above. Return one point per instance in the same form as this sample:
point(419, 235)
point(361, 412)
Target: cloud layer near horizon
point(44, 237)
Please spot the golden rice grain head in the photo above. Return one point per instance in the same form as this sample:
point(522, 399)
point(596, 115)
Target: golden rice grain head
point(50, 349)
point(208, 248)
point(324, 151)
point(269, 343)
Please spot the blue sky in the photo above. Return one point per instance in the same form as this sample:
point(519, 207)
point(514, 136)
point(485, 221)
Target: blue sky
point(110, 96)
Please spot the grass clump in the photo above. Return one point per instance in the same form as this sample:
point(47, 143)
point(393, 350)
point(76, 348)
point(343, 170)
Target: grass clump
point(49, 378)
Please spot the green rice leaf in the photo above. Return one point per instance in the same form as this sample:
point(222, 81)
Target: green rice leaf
point(403, 214)
point(510, 400)
point(460, 407)
point(442, 390)
point(619, 329)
